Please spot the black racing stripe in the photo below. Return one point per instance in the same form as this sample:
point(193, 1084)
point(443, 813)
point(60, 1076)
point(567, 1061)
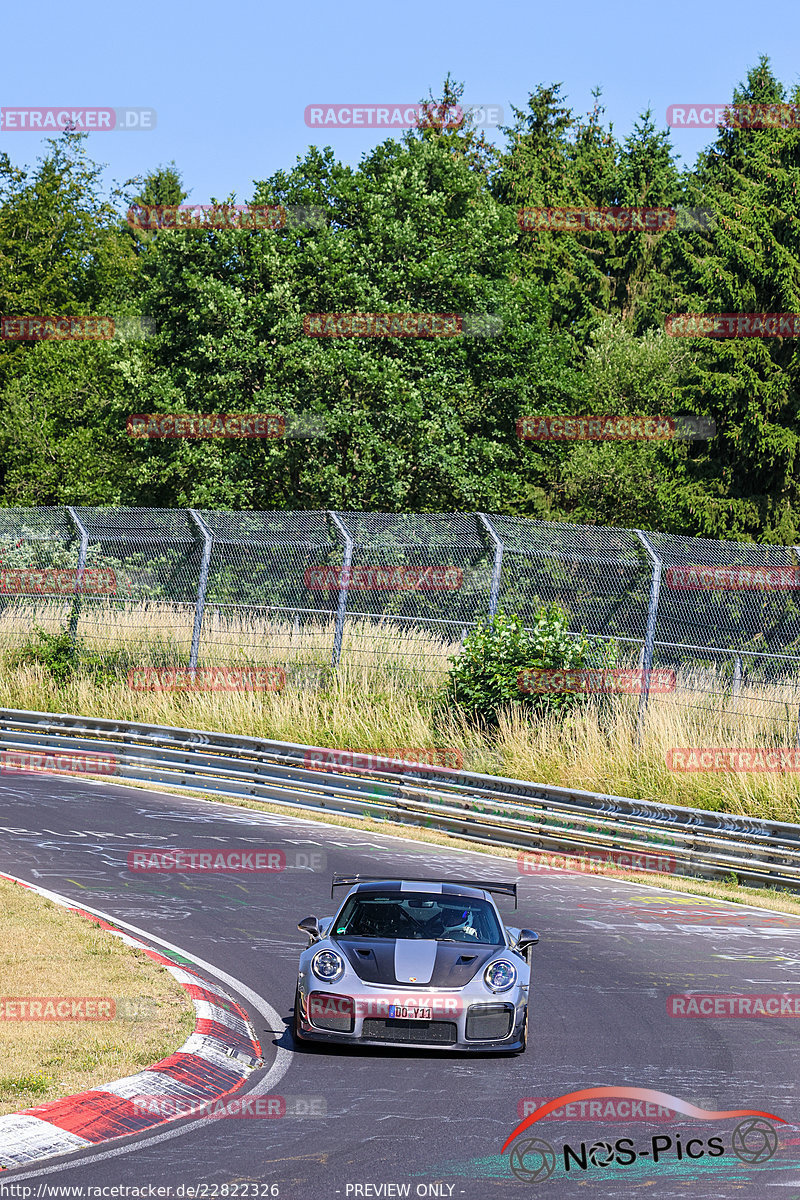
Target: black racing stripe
point(457, 963)
point(372, 959)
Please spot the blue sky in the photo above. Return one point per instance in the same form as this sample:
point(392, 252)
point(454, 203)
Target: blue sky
point(230, 82)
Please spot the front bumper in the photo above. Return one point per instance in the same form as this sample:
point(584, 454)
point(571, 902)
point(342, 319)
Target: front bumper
point(463, 1030)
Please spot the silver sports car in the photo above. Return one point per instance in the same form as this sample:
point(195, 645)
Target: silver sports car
point(415, 962)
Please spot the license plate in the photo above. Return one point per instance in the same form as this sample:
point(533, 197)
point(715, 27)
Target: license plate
point(410, 1012)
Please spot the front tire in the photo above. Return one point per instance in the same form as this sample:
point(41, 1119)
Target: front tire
point(296, 1034)
point(524, 1039)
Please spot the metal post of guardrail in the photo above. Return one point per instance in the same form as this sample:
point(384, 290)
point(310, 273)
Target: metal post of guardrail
point(83, 534)
point(736, 686)
point(344, 583)
point(650, 631)
point(497, 569)
point(202, 585)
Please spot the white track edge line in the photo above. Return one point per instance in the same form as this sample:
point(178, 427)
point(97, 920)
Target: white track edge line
point(262, 1087)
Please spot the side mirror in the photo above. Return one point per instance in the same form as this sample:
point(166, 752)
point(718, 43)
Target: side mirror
point(310, 926)
point(527, 939)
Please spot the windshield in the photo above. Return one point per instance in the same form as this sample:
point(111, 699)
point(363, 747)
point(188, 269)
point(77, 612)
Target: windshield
point(418, 915)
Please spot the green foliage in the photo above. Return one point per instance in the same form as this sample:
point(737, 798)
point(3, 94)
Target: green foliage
point(35, 1084)
point(64, 656)
point(485, 677)
point(56, 652)
point(632, 484)
point(426, 224)
point(750, 386)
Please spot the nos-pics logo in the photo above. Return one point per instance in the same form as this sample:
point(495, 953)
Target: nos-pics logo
point(533, 1159)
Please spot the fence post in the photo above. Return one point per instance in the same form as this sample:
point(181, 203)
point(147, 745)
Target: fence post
point(83, 533)
point(497, 569)
point(650, 631)
point(344, 583)
point(202, 584)
point(737, 677)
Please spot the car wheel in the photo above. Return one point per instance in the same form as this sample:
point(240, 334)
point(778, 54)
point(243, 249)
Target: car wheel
point(296, 1034)
point(524, 1033)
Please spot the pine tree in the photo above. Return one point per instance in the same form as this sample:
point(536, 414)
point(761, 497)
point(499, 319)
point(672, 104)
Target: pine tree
point(750, 263)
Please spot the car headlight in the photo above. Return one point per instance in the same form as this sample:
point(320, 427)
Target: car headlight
point(328, 965)
point(500, 976)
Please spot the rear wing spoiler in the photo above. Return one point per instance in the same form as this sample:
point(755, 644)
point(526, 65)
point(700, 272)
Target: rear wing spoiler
point(501, 889)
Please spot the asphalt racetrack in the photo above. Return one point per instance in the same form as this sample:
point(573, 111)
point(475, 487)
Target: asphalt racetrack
point(388, 1123)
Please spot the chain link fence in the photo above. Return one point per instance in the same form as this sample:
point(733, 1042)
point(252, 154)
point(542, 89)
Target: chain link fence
point(306, 591)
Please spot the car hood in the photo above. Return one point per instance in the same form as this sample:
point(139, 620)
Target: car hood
point(425, 963)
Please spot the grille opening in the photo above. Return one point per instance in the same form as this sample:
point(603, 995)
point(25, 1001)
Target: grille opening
point(396, 1029)
point(489, 1022)
point(332, 1013)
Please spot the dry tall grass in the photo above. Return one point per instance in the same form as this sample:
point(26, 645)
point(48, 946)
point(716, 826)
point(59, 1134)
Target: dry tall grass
point(47, 951)
point(384, 695)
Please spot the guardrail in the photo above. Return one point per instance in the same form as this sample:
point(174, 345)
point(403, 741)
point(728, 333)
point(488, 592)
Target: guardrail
point(481, 808)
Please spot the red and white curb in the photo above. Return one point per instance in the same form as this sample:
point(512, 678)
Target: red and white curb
point(212, 1063)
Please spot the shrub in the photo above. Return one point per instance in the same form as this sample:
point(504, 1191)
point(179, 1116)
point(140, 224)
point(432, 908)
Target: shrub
point(485, 676)
point(54, 651)
point(65, 656)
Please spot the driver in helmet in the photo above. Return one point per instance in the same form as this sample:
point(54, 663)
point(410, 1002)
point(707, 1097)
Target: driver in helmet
point(457, 924)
